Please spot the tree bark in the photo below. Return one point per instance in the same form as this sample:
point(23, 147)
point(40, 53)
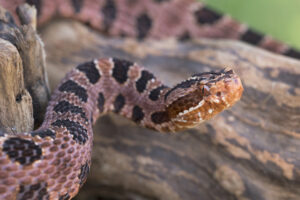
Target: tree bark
point(31, 51)
point(15, 101)
point(247, 152)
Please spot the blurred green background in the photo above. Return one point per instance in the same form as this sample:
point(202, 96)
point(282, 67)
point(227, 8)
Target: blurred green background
point(278, 18)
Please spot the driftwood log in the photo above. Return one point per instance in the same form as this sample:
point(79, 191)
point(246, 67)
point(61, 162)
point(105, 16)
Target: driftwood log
point(247, 152)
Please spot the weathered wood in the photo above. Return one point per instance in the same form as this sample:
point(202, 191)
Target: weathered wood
point(15, 101)
point(31, 51)
point(247, 152)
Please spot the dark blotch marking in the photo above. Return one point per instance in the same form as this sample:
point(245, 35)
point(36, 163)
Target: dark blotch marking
point(154, 94)
point(84, 171)
point(109, 11)
point(23, 151)
point(119, 103)
point(43, 133)
point(137, 114)
point(90, 70)
point(184, 84)
point(65, 106)
point(292, 53)
point(64, 197)
point(34, 191)
point(120, 69)
point(37, 4)
point(101, 102)
point(143, 25)
point(185, 36)
point(77, 4)
point(79, 132)
point(143, 80)
point(251, 37)
point(160, 117)
point(207, 16)
point(71, 86)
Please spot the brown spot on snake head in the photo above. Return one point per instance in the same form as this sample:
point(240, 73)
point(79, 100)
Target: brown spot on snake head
point(209, 93)
point(160, 117)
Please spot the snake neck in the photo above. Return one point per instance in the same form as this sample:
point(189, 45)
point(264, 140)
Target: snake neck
point(107, 85)
point(125, 88)
point(53, 161)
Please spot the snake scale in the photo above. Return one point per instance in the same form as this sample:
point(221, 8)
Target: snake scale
point(159, 19)
point(53, 161)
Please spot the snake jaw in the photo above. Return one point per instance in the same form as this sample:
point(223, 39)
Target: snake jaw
point(213, 93)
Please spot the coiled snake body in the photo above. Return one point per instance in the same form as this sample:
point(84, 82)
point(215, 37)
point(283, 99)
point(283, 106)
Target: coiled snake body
point(53, 161)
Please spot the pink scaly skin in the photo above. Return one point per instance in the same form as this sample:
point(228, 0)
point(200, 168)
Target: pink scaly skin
point(53, 161)
point(157, 19)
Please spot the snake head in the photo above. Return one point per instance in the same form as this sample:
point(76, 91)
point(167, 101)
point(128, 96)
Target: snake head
point(202, 96)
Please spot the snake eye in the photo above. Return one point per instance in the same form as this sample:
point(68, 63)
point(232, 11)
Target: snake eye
point(218, 94)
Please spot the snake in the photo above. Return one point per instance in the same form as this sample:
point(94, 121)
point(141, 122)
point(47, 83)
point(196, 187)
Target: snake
point(53, 161)
point(156, 19)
